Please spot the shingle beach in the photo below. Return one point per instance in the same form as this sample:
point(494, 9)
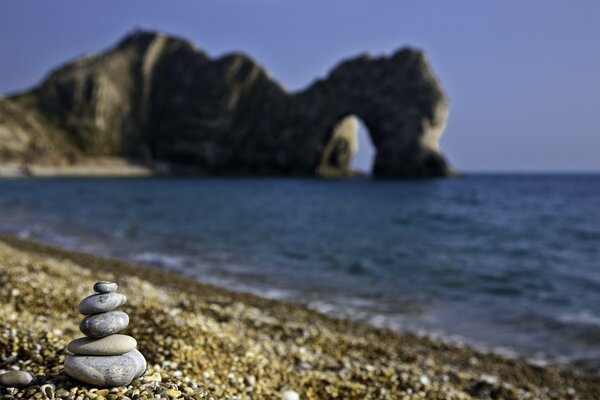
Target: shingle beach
point(202, 342)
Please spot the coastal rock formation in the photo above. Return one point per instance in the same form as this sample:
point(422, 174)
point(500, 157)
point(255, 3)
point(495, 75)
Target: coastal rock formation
point(159, 100)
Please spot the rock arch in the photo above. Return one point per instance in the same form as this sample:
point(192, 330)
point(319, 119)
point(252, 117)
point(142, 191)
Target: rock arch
point(158, 98)
point(399, 101)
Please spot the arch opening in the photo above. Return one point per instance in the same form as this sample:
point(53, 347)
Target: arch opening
point(349, 150)
point(363, 159)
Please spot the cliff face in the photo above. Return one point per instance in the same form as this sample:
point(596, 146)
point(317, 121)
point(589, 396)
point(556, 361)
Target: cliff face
point(158, 99)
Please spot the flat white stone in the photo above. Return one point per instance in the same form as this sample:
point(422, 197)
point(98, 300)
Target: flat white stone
point(290, 395)
point(106, 371)
point(104, 324)
point(107, 346)
point(100, 303)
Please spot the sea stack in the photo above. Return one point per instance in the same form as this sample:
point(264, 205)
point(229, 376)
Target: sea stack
point(103, 357)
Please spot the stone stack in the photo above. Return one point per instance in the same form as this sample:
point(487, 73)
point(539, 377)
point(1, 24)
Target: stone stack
point(103, 357)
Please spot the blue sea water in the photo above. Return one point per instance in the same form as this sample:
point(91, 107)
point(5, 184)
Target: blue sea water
point(507, 262)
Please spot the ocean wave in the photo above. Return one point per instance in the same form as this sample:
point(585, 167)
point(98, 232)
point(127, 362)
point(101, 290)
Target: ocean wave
point(584, 317)
point(163, 259)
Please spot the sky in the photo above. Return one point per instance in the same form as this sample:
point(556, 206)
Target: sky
point(522, 77)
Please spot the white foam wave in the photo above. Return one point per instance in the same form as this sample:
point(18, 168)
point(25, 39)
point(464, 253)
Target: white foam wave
point(584, 317)
point(163, 259)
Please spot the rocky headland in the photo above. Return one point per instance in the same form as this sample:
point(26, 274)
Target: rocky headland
point(160, 103)
point(205, 342)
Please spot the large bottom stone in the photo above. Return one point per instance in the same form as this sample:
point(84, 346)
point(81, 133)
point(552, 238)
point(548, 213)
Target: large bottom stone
point(106, 371)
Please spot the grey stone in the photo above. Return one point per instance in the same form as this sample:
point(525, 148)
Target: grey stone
point(104, 324)
point(105, 287)
point(100, 303)
point(15, 378)
point(49, 390)
point(140, 362)
point(106, 371)
point(107, 346)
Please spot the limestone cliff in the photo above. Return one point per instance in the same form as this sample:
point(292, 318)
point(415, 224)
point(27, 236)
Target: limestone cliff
point(158, 99)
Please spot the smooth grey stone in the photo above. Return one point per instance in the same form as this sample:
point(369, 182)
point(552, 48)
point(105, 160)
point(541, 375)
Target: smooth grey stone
point(105, 287)
point(100, 303)
point(104, 324)
point(140, 362)
point(15, 378)
point(106, 371)
point(107, 346)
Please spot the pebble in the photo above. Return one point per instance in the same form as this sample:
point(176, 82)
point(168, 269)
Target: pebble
point(105, 287)
point(101, 303)
point(48, 390)
point(106, 371)
point(174, 394)
point(290, 395)
point(15, 378)
point(104, 324)
point(155, 377)
point(107, 346)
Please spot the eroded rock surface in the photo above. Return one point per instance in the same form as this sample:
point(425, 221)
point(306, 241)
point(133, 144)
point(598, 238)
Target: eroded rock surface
point(159, 100)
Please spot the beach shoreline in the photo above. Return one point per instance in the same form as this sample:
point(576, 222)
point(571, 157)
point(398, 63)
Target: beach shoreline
point(94, 167)
point(243, 345)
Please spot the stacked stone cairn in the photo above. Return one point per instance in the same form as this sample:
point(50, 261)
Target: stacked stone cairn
point(104, 358)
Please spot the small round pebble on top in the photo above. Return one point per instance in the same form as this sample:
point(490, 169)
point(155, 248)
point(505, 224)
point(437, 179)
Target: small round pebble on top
point(105, 287)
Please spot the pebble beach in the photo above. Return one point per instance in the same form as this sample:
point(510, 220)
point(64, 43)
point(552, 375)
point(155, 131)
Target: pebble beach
point(206, 342)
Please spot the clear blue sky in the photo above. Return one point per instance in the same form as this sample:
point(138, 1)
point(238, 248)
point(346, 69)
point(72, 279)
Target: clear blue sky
point(522, 77)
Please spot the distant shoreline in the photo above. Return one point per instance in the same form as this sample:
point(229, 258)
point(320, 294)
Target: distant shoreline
point(102, 167)
point(114, 167)
point(109, 167)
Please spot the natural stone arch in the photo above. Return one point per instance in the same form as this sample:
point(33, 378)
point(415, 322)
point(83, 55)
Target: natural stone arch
point(399, 101)
point(162, 100)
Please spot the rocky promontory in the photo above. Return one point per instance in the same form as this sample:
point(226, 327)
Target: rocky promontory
point(161, 102)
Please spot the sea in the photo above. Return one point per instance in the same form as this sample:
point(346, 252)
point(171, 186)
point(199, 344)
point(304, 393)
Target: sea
point(506, 263)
